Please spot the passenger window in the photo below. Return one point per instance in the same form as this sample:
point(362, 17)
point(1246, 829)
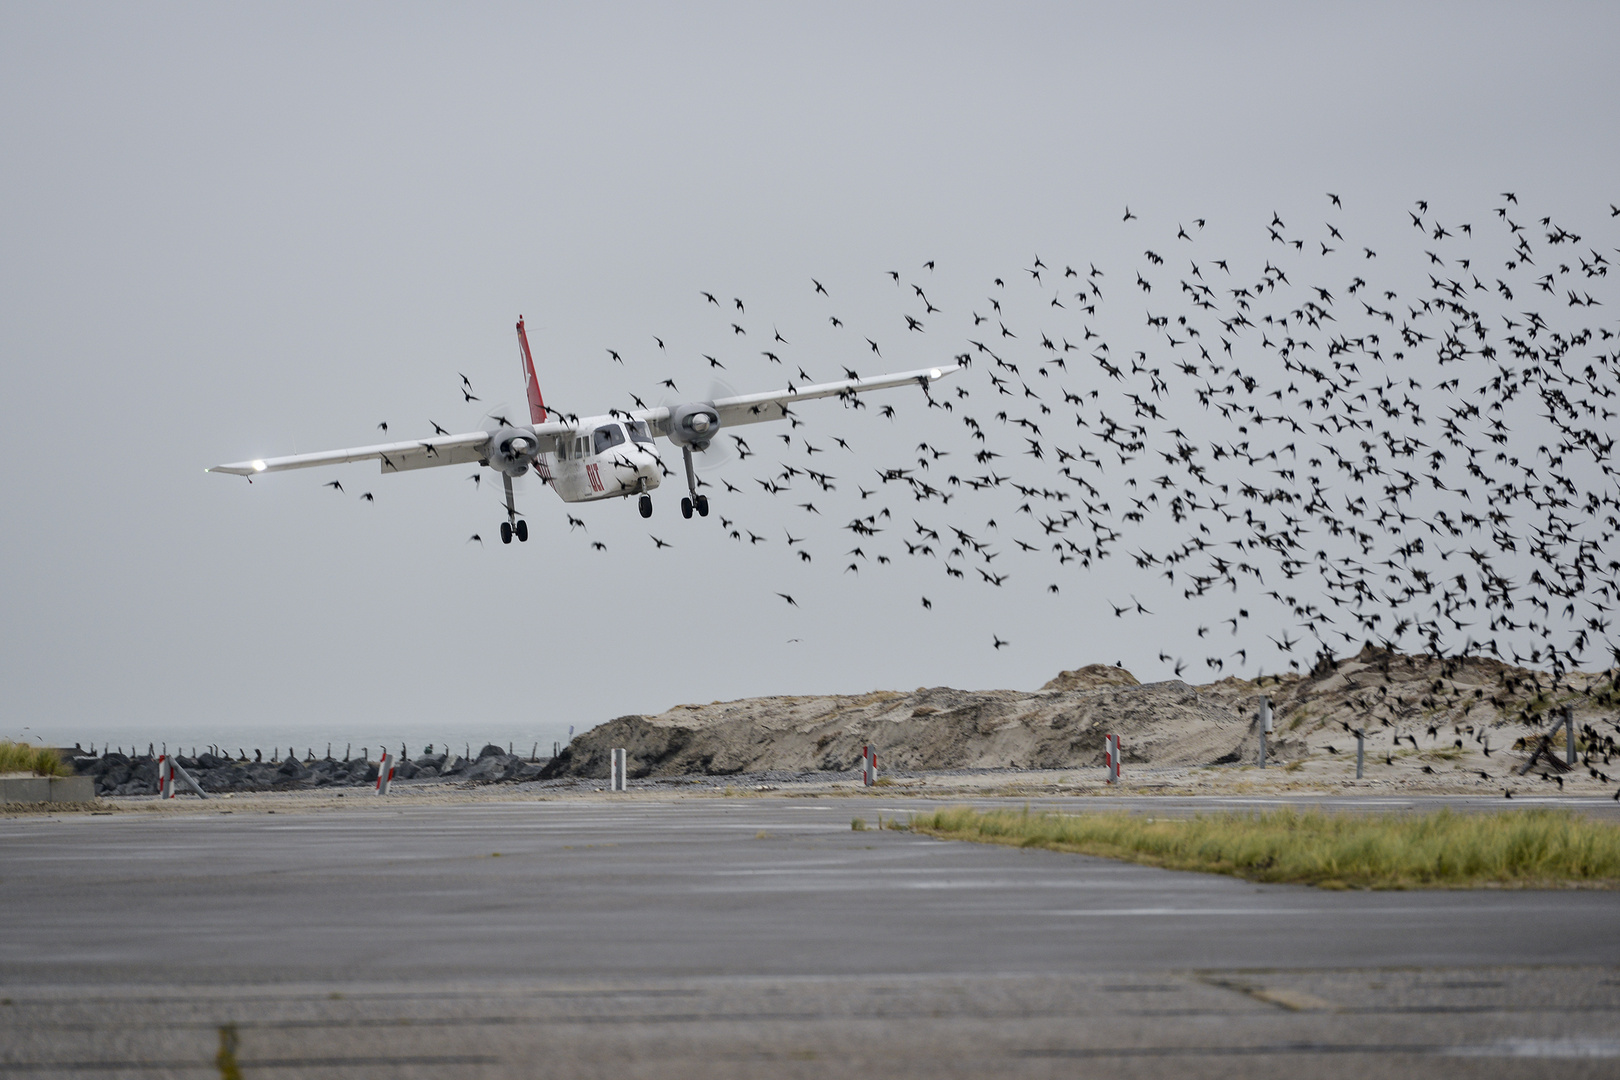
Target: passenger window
point(579, 450)
point(562, 450)
point(608, 435)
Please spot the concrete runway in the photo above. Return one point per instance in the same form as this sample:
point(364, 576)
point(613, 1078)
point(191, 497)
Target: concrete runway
point(723, 930)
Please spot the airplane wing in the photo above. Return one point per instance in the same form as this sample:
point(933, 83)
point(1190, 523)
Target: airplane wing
point(774, 404)
point(398, 456)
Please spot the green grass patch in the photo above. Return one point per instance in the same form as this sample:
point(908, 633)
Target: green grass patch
point(1521, 848)
point(39, 760)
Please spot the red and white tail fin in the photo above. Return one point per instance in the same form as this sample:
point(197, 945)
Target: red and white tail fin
point(531, 385)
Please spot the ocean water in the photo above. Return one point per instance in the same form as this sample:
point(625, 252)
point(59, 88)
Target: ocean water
point(458, 736)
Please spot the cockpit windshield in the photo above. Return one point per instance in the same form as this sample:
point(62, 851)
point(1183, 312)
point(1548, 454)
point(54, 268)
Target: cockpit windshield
point(639, 432)
point(608, 435)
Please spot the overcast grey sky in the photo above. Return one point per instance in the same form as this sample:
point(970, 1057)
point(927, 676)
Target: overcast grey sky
point(244, 230)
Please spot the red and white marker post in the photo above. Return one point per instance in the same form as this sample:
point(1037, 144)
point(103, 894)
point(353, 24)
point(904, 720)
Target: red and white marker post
point(869, 765)
point(385, 772)
point(165, 777)
point(1111, 757)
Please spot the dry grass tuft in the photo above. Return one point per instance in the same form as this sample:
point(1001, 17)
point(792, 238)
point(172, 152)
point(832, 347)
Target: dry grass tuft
point(39, 760)
point(1521, 848)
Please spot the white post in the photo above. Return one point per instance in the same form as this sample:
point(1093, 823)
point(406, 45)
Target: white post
point(385, 772)
point(1361, 749)
point(165, 777)
point(869, 765)
point(619, 778)
point(1111, 758)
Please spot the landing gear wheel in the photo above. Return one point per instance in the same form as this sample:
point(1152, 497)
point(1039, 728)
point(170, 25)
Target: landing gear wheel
point(645, 505)
point(506, 533)
point(703, 506)
point(522, 531)
point(686, 507)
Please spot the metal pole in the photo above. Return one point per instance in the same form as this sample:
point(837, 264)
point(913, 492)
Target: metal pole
point(1265, 726)
point(1361, 750)
point(1569, 735)
point(185, 778)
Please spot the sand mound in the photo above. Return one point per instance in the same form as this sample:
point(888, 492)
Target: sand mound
point(1090, 677)
point(1419, 706)
point(935, 728)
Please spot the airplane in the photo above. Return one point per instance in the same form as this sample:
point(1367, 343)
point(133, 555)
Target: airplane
point(591, 458)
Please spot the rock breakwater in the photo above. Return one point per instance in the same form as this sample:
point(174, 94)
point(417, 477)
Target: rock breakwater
point(120, 774)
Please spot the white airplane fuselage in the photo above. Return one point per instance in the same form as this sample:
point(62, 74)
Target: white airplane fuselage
point(607, 458)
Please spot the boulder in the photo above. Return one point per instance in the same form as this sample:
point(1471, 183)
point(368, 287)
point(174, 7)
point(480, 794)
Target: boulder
point(494, 767)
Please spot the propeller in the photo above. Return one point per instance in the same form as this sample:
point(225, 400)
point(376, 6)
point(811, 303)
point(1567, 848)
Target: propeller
point(525, 486)
point(722, 451)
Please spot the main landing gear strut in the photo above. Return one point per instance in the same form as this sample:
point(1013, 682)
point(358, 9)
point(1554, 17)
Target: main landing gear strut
point(697, 502)
point(512, 526)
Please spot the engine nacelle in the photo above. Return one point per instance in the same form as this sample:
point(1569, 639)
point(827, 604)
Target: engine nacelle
point(694, 424)
point(512, 450)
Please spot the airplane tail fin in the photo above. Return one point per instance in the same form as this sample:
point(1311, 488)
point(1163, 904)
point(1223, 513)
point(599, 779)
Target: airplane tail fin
point(531, 384)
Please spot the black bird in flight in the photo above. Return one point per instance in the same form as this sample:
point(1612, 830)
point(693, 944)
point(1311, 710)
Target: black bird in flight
point(789, 599)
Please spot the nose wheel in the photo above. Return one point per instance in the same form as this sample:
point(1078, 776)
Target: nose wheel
point(644, 504)
point(693, 501)
point(512, 526)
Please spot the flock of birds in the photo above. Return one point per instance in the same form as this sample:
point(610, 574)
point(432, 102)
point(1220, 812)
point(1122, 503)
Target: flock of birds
point(1411, 446)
